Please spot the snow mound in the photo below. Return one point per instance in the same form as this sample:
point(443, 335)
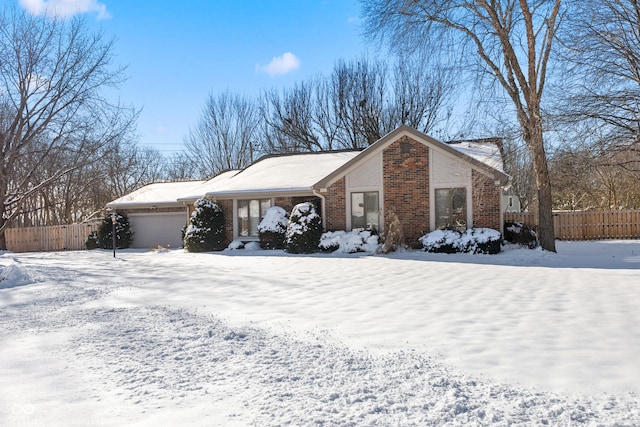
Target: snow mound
point(14, 275)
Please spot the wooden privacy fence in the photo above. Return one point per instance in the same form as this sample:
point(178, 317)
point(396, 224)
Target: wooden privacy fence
point(52, 238)
point(588, 225)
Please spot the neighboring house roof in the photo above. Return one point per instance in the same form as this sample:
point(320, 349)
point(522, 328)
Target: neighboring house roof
point(481, 155)
point(290, 173)
point(485, 151)
point(207, 186)
point(160, 194)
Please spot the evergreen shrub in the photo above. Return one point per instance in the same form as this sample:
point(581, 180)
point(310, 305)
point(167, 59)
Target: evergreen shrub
point(205, 231)
point(104, 237)
point(304, 229)
point(521, 234)
point(272, 229)
point(473, 240)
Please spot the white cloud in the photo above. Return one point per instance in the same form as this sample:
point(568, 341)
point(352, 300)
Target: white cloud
point(281, 64)
point(65, 8)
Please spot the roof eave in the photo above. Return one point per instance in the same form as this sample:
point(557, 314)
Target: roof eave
point(269, 191)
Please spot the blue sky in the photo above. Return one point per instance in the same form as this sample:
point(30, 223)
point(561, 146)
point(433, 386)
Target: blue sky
point(177, 52)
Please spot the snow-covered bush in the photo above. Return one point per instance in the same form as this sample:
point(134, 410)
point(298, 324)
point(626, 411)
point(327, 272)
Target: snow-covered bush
point(124, 236)
point(235, 245)
point(303, 230)
point(273, 228)
point(522, 234)
point(473, 240)
point(349, 242)
point(248, 246)
point(480, 241)
point(205, 231)
point(441, 241)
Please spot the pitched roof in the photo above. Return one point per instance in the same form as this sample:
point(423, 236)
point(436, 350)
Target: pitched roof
point(158, 194)
point(284, 174)
point(206, 186)
point(484, 158)
point(484, 150)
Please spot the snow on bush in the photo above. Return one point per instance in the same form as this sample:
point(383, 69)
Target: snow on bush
point(205, 231)
point(349, 242)
point(473, 240)
point(303, 230)
point(235, 245)
point(252, 246)
point(443, 241)
point(273, 228)
point(522, 234)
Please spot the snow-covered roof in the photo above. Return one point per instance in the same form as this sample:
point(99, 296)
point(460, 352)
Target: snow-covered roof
point(484, 155)
point(207, 186)
point(484, 151)
point(286, 173)
point(158, 194)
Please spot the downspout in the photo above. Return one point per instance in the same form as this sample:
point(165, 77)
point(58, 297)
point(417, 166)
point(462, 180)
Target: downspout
point(324, 207)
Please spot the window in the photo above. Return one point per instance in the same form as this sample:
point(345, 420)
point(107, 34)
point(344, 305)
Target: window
point(451, 208)
point(250, 213)
point(364, 210)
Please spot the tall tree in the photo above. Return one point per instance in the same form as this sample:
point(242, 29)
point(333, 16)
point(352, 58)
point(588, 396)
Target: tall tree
point(359, 102)
point(225, 134)
point(603, 74)
point(52, 104)
point(510, 40)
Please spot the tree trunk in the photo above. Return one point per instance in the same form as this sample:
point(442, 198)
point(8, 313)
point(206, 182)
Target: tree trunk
point(533, 137)
point(3, 240)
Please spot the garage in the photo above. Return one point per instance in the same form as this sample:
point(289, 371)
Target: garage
point(157, 228)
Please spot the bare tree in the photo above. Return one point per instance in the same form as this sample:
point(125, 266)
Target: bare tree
point(358, 103)
point(181, 167)
point(224, 136)
point(52, 108)
point(603, 73)
point(424, 92)
point(511, 41)
point(358, 90)
point(290, 119)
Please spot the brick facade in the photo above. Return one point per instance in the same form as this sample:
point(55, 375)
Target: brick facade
point(336, 209)
point(406, 186)
point(227, 210)
point(485, 201)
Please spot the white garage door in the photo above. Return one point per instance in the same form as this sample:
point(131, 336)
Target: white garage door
point(159, 228)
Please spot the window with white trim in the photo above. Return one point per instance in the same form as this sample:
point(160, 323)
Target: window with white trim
point(365, 210)
point(250, 213)
point(451, 208)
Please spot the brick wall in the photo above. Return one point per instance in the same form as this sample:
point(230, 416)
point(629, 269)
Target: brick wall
point(336, 209)
point(227, 211)
point(406, 186)
point(486, 201)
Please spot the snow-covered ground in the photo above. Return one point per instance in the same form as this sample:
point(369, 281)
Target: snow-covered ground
point(248, 337)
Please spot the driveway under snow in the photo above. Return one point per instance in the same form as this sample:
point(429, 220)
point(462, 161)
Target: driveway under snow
point(267, 338)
